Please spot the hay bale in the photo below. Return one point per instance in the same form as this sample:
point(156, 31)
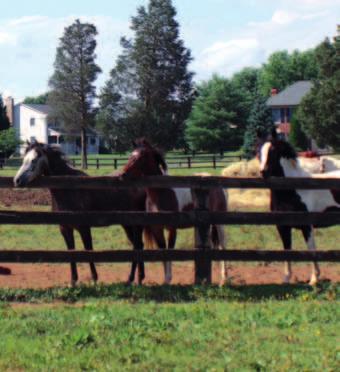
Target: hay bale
point(243, 169)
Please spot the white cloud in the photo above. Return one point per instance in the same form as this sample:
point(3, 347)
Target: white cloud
point(7, 38)
point(227, 57)
point(27, 20)
point(29, 44)
point(293, 25)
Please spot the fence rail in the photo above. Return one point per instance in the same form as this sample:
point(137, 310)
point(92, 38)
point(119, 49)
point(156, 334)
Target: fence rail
point(197, 182)
point(201, 161)
point(121, 256)
point(177, 219)
point(200, 218)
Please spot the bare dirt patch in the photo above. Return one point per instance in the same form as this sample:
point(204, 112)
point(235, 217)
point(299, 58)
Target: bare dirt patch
point(23, 198)
point(50, 275)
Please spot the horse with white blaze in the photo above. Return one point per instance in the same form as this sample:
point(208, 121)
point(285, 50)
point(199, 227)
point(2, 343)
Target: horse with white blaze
point(279, 159)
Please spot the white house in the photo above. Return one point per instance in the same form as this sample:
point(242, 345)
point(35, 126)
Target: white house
point(32, 122)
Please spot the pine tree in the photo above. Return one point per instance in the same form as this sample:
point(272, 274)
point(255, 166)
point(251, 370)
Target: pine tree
point(260, 120)
point(72, 89)
point(297, 137)
point(151, 78)
point(319, 111)
point(217, 120)
point(4, 121)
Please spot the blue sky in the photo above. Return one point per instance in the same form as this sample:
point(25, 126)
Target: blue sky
point(224, 35)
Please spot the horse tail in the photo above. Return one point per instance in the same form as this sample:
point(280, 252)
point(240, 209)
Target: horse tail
point(214, 235)
point(149, 240)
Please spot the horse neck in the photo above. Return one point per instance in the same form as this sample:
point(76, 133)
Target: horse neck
point(61, 168)
point(292, 168)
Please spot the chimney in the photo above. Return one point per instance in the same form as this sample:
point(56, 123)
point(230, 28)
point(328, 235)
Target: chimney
point(9, 104)
point(273, 92)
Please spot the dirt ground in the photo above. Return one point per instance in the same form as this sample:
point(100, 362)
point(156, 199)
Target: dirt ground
point(51, 275)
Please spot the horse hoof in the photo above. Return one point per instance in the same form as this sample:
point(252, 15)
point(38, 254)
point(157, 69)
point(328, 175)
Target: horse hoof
point(286, 279)
point(73, 284)
point(313, 282)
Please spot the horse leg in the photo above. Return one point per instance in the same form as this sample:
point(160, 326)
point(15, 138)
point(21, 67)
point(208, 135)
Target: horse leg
point(86, 237)
point(158, 236)
point(222, 245)
point(308, 235)
point(171, 245)
point(135, 236)
point(286, 237)
point(140, 246)
point(67, 233)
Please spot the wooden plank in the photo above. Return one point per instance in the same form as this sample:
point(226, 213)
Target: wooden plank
point(203, 267)
point(193, 218)
point(120, 256)
point(72, 182)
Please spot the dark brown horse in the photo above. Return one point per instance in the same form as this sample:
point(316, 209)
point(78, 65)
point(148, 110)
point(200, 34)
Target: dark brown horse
point(44, 160)
point(145, 160)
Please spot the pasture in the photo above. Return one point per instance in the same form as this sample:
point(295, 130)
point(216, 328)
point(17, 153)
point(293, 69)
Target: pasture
point(255, 327)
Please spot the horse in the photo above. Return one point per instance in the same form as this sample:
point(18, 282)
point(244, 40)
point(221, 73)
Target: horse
point(45, 160)
point(279, 159)
point(146, 160)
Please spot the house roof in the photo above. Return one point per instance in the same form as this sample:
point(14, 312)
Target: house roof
point(44, 109)
point(292, 95)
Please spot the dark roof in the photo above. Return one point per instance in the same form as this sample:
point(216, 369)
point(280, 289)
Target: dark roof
point(44, 109)
point(292, 95)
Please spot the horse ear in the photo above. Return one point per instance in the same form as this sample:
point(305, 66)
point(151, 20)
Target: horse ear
point(273, 134)
point(145, 143)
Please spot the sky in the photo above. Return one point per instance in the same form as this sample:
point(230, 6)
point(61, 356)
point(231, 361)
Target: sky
point(224, 35)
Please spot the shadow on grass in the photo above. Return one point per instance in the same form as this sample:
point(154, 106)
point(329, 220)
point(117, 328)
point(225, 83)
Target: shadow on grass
point(175, 293)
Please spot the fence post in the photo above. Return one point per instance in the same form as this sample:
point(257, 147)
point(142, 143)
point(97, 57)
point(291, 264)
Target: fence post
point(115, 163)
point(202, 241)
point(214, 161)
point(189, 162)
point(97, 163)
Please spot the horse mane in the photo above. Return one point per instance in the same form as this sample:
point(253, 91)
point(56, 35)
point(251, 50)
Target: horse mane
point(285, 148)
point(158, 154)
point(56, 157)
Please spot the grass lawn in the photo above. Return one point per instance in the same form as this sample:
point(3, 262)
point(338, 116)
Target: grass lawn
point(179, 328)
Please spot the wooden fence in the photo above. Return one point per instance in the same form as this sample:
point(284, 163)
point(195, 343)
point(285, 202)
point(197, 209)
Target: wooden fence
point(181, 162)
point(200, 218)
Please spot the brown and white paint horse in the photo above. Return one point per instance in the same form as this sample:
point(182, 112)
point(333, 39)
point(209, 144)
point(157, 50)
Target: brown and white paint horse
point(44, 160)
point(146, 160)
point(279, 159)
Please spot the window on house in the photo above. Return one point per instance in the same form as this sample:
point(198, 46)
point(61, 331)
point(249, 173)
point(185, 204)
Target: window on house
point(32, 122)
point(52, 140)
point(61, 139)
point(282, 115)
point(93, 141)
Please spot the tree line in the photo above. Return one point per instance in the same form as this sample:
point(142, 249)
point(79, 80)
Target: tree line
point(150, 91)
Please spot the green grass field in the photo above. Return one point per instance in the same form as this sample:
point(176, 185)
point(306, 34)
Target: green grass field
point(183, 328)
point(115, 328)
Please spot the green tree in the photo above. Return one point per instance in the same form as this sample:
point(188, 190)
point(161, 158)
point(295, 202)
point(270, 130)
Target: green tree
point(72, 84)
point(4, 121)
point(37, 100)
point(151, 79)
point(319, 111)
point(283, 69)
point(217, 120)
point(297, 137)
point(260, 120)
point(8, 142)
point(246, 82)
